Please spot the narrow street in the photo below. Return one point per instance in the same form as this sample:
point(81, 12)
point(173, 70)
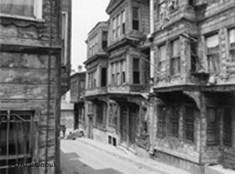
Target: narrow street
point(79, 158)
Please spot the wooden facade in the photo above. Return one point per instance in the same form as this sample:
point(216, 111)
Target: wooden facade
point(30, 77)
point(192, 45)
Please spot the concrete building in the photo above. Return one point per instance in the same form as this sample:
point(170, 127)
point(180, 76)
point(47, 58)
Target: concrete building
point(192, 123)
point(30, 77)
point(78, 81)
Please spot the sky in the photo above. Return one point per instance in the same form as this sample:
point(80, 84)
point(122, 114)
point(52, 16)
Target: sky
point(85, 15)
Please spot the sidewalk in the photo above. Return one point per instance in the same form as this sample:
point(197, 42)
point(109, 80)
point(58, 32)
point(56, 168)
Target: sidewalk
point(158, 167)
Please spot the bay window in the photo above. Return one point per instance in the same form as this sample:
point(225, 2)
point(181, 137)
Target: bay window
point(23, 8)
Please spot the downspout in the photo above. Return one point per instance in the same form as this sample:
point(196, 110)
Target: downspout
point(48, 90)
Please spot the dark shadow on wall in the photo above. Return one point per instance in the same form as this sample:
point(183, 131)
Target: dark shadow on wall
point(71, 164)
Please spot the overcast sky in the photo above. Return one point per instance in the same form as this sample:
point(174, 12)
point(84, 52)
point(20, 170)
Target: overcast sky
point(86, 13)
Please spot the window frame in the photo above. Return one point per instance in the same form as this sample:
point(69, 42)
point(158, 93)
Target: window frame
point(161, 121)
point(231, 45)
point(136, 19)
point(37, 12)
point(136, 71)
point(30, 155)
point(175, 60)
point(189, 124)
point(213, 54)
point(213, 127)
point(162, 61)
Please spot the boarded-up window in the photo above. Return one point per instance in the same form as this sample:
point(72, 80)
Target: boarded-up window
point(212, 43)
point(174, 121)
point(212, 126)
point(175, 57)
point(162, 57)
point(135, 18)
point(188, 123)
point(227, 128)
point(161, 123)
point(136, 70)
point(17, 132)
point(232, 43)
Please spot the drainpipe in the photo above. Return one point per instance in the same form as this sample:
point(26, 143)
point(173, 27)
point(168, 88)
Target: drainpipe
point(152, 71)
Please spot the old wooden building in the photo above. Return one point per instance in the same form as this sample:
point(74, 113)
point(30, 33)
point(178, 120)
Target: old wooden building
point(96, 82)
point(193, 118)
point(77, 82)
point(32, 64)
point(128, 72)
point(118, 75)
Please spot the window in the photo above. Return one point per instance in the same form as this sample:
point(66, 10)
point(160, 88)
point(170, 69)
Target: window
point(24, 8)
point(212, 127)
point(174, 121)
point(103, 77)
point(118, 33)
point(124, 22)
point(227, 128)
point(162, 7)
point(17, 132)
point(113, 74)
point(162, 57)
point(64, 37)
point(188, 123)
point(161, 126)
point(135, 18)
point(123, 71)
point(114, 28)
point(136, 70)
point(92, 79)
point(175, 57)
point(82, 84)
point(232, 43)
point(104, 39)
point(212, 44)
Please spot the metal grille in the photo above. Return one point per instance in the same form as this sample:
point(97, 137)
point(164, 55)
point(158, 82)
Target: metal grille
point(16, 132)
